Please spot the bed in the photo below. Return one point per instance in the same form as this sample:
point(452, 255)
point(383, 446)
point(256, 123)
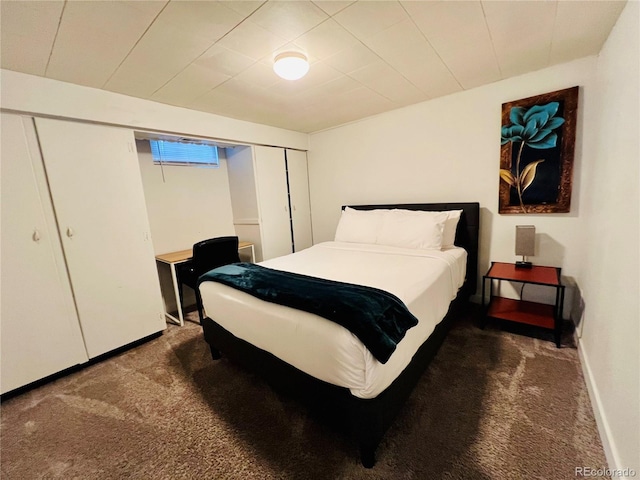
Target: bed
point(324, 364)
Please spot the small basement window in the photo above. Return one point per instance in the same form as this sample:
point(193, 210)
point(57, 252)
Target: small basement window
point(166, 152)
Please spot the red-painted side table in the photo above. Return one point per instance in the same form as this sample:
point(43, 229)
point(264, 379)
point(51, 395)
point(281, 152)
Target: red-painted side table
point(522, 311)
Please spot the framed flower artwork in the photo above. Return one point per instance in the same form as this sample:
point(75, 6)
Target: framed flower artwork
point(536, 155)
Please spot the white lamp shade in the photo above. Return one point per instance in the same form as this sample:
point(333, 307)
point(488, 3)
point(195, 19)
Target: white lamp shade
point(291, 65)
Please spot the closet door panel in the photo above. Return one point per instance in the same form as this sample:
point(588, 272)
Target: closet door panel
point(300, 205)
point(273, 201)
point(40, 330)
point(97, 193)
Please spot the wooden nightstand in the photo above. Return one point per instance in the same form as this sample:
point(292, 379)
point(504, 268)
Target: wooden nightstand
point(522, 311)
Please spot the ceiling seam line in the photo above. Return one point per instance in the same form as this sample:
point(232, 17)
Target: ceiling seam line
point(206, 49)
point(553, 34)
point(432, 47)
point(493, 46)
point(55, 38)
point(115, 70)
point(381, 59)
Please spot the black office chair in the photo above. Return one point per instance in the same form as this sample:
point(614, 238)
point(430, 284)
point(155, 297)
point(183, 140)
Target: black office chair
point(207, 255)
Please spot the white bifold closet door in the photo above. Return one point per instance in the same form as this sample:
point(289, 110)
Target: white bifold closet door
point(273, 202)
point(299, 195)
point(96, 187)
point(39, 326)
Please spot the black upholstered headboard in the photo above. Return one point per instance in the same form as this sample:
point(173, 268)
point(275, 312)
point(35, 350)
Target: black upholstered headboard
point(467, 233)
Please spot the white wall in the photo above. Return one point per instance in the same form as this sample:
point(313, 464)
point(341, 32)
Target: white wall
point(185, 204)
point(448, 149)
point(609, 274)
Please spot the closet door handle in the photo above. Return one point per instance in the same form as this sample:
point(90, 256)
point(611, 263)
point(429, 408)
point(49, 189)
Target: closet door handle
point(69, 232)
point(36, 235)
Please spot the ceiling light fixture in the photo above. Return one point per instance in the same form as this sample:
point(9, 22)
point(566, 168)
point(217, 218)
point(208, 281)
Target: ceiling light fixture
point(291, 65)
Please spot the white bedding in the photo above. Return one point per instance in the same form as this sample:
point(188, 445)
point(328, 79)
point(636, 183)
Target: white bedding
point(425, 280)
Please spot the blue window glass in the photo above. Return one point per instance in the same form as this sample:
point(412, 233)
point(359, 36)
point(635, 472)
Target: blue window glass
point(183, 153)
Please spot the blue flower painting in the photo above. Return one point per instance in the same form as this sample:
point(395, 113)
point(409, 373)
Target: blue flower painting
point(532, 139)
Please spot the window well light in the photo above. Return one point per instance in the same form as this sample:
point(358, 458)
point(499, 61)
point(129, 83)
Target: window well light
point(291, 65)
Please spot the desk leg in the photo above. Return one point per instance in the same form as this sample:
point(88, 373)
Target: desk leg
point(253, 252)
point(174, 279)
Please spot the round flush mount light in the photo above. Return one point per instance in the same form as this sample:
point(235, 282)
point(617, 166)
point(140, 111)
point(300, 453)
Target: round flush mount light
point(291, 65)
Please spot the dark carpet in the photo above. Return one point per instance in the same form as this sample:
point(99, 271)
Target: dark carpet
point(492, 405)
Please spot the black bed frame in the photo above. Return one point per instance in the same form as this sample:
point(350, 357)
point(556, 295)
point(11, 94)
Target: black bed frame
point(366, 419)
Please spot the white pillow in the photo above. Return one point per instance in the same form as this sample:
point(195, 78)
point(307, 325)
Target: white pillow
point(412, 229)
point(450, 226)
point(359, 226)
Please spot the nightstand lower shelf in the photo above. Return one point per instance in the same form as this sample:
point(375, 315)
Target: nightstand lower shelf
point(521, 311)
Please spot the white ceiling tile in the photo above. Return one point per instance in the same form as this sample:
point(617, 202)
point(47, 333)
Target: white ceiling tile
point(27, 34)
point(473, 68)
point(191, 83)
point(95, 37)
point(509, 21)
point(244, 7)
point(252, 40)
point(383, 79)
point(366, 18)
point(470, 57)
point(180, 34)
point(331, 7)
point(404, 47)
point(159, 56)
point(447, 19)
point(360, 103)
point(352, 58)
point(326, 39)
point(521, 33)
point(341, 109)
point(259, 74)
point(340, 86)
point(223, 60)
point(288, 20)
point(214, 101)
point(515, 63)
point(205, 19)
point(241, 88)
point(245, 101)
point(237, 100)
point(575, 18)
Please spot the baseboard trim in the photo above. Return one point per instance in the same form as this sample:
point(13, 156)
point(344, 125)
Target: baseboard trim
point(604, 430)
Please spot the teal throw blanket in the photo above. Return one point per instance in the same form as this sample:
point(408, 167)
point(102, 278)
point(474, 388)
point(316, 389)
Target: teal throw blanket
point(378, 318)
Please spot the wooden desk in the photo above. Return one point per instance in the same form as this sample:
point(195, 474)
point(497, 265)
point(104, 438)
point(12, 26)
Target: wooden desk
point(175, 258)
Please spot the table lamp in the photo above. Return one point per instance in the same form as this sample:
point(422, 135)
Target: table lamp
point(525, 244)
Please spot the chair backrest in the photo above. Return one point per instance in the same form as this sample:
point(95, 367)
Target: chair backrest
point(214, 252)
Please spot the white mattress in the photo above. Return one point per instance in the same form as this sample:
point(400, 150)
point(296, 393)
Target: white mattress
point(425, 280)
